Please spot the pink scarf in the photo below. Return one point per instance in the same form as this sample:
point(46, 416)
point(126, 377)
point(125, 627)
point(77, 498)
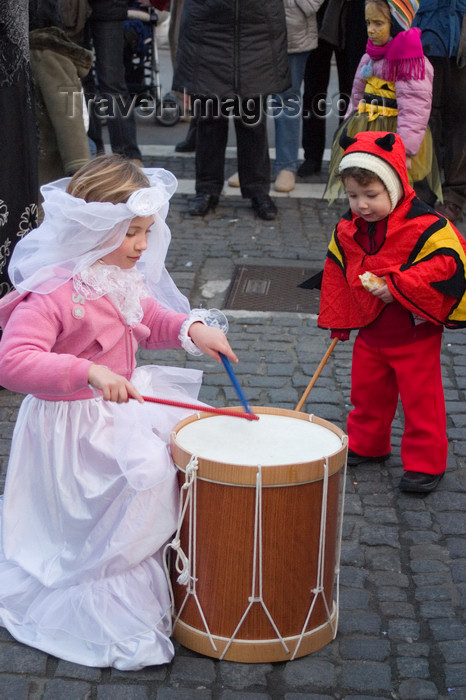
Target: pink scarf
point(403, 56)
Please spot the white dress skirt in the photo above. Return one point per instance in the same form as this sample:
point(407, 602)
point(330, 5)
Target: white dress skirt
point(91, 498)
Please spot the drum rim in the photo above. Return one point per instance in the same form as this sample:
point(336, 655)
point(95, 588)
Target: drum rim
point(257, 650)
point(280, 475)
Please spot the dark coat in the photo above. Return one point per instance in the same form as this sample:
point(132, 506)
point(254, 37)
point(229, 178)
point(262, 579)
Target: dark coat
point(441, 25)
point(108, 10)
point(232, 47)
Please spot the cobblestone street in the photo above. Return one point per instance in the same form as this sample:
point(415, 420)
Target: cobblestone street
point(402, 624)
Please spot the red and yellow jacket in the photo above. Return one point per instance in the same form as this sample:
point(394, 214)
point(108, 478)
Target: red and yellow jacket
point(420, 253)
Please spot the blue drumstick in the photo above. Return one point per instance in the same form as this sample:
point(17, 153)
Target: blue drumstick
point(235, 382)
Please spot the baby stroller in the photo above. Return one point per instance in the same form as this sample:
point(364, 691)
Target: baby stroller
point(142, 67)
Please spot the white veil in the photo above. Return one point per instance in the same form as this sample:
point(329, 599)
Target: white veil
point(75, 233)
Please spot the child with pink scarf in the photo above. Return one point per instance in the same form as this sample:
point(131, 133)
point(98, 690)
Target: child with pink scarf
point(392, 91)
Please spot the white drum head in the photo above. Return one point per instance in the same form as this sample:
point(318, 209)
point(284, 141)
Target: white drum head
point(270, 441)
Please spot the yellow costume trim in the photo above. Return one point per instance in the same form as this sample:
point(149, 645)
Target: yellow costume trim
point(374, 110)
point(380, 88)
point(334, 251)
point(445, 239)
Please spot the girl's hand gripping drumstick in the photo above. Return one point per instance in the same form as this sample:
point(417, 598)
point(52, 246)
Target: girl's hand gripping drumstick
point(235, 383)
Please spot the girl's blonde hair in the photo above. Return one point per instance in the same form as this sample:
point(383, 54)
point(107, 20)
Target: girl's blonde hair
point(108, 178)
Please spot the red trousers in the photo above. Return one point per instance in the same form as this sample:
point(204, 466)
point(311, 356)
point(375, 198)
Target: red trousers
point(412, 372)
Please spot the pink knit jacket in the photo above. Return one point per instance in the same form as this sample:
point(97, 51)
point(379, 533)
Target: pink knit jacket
point(50, 340)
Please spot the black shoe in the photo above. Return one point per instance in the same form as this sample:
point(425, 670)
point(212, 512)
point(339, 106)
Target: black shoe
point(355, 459)
point(309, 167)
point(202, 203)
point(185, 146)
point(188, 145)
point(419, 482)
point(264, 207)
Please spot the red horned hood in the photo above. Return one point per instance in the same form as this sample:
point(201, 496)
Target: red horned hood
point(387, 146)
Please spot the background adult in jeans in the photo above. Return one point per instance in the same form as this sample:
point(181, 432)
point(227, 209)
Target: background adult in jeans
point(301, 27)
point(443, 27)
point(232, 52)
point(342, 32)
point(104, 32)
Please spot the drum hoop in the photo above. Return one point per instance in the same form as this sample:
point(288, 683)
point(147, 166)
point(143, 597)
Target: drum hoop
point(276, 475)
point(243, 485)
point(247, 642)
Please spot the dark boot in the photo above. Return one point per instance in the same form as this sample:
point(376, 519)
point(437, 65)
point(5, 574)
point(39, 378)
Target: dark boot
point(419, 482)
point(203, 203)
point(309, 167)
point(189, 143)
point(264, 207)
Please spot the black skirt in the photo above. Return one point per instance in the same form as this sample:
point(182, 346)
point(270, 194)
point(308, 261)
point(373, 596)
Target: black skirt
point(18, 172)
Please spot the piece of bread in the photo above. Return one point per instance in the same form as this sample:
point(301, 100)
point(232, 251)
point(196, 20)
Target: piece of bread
point(371, 282)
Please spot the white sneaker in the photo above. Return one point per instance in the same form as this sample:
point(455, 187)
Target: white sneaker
point(233, 180)
point(285, 181)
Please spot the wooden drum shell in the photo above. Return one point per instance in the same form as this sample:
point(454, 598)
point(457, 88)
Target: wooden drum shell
point(291, 508)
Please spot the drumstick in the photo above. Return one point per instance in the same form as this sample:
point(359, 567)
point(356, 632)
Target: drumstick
point(234, 381)
point(316, 374)
point(200, 407)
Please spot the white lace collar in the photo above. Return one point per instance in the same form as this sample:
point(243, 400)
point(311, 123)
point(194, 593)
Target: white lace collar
point(125, 288)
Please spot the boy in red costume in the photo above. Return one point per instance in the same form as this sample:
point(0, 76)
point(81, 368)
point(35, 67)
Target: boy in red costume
point(421, 260)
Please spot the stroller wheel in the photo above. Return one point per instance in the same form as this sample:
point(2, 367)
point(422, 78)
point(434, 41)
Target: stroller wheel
point(168, 113)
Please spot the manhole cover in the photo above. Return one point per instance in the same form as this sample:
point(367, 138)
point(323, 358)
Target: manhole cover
point(272, 288)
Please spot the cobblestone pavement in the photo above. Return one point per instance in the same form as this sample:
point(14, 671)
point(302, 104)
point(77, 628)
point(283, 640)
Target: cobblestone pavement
point(402, 620)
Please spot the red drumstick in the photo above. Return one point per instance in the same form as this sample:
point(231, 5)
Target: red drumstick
point(206, 409)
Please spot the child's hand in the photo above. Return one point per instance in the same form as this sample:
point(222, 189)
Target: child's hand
point(384, 294)
point(113, 386)
point(211, 341)
point(408, 162)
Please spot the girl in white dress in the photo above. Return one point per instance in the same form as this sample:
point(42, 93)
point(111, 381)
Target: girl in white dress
point(91, 496)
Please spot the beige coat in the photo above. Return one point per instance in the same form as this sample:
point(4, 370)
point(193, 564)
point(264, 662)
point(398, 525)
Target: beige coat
point(301, 24)
point(57, 65)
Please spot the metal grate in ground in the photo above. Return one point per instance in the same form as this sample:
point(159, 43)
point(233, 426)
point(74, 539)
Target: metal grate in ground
point(272, 288)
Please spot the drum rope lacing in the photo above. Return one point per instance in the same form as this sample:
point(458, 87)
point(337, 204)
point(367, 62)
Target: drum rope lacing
point(257, 578)
point(185, 565)
point(181, 560)
point(319, 588)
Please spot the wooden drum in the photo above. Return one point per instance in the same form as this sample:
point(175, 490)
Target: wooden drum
point(255, 571)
